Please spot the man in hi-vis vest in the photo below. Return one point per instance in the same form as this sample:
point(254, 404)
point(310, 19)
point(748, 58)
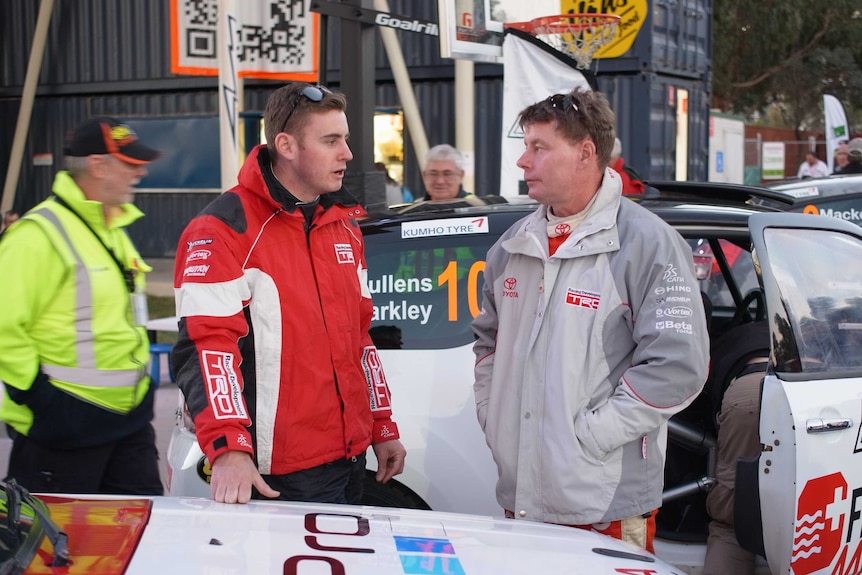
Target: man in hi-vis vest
point(73, 346)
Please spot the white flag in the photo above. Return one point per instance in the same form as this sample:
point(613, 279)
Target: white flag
point(530, 73)
point(836, 126)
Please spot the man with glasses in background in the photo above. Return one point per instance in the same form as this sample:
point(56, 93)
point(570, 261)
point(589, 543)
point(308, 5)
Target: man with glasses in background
point(274, 357)
point(443, 174)
point(592, 335)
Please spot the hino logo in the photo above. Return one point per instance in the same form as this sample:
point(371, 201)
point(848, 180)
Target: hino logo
point(678, 288)
point(410, 25)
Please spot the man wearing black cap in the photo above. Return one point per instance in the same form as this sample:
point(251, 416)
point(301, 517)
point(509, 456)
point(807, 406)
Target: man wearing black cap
point(854, 157)
point(78, 402)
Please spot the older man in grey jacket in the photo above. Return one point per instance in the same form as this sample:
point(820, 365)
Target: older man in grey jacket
point(592, 335)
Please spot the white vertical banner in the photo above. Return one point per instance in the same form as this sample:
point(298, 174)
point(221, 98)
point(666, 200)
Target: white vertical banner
point(530, 74)
point(228, 79)
point(836, 127)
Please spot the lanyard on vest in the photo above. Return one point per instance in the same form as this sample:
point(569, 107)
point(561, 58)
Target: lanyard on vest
point(126, 273)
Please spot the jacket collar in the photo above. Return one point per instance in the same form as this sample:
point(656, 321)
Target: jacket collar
point(256, 174)
point(597, 233)
point(92, 211)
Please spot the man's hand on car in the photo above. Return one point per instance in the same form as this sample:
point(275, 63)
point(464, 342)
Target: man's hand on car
point(390, 459)
point(234, 474)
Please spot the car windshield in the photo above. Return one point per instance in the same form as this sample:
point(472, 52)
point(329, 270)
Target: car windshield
point(819, 276)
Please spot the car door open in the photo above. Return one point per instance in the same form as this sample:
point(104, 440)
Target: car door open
point(810, 470)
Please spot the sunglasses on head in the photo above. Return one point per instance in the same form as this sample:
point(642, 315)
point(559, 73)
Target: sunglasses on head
point(313, 93)
point(563, 102)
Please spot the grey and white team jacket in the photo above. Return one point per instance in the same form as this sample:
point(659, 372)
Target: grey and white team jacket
point(583, 356)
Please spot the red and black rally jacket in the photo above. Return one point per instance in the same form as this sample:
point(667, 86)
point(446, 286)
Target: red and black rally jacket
point(273, 353)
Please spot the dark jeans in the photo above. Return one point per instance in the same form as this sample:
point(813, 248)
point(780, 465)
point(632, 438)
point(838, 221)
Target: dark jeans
point(126, 466)
point(339, 481)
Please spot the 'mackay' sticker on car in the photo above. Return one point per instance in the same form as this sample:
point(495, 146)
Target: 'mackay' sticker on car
point(447, 227)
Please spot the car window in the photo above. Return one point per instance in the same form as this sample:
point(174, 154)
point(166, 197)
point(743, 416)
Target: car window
point(826, 329)
point(425, 291)
point(713, 283)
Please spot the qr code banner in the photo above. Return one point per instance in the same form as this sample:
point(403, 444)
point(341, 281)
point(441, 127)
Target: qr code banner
point(275, 39)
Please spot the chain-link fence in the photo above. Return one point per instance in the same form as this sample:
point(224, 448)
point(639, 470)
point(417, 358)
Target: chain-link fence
point(763, 163)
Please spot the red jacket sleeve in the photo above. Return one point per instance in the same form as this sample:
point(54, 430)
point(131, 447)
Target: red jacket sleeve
point(211, 294)
point(378, 388)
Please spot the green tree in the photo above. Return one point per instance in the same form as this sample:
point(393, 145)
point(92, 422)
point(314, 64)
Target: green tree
point(787, 54)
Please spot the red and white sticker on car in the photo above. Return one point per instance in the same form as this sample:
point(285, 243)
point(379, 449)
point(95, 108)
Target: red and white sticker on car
point(821, 518)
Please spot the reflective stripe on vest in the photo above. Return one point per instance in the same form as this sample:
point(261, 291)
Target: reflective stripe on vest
point(86, 373)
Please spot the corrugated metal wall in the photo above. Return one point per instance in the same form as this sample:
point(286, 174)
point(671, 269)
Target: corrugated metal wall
point(113, 57)
point(89, 41)
point(675, 39)
point(646, 108)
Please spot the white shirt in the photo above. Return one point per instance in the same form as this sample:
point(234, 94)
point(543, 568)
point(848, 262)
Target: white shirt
point(818, 170)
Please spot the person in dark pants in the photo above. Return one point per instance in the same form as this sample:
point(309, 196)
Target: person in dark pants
point(78, 401)
point(274, 356)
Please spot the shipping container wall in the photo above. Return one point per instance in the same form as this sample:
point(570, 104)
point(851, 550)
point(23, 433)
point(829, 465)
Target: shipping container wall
point(113, 58)
point(651, 116)
point(165, 218)
point(88, 41)
point(54, 116)
point(675, 39)
point(436, 103)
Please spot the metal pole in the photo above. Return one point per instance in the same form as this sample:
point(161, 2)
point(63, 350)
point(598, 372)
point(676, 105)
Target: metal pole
point(27, 96)
point(228, 89)
point(404, 87)
point(465, 111)
point(358, 84)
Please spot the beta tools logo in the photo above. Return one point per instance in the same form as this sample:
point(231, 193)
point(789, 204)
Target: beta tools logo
point(819, 525)
point(581, 298)
point(344, 254)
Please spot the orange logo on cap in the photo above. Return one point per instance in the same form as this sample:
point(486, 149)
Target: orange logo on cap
point(811, 209)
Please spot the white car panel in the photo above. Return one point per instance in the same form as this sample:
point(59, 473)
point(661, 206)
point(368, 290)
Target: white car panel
point(450, 468)
point(200, 536)
point(810, 470)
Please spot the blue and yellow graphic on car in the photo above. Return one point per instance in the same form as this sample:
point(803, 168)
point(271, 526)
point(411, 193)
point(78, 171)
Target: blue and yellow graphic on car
point(425, 556)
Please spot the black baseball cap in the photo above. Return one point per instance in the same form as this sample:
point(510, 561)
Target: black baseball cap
point(109, 136)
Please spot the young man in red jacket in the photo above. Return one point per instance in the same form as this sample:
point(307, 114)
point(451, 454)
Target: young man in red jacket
point(274, 357)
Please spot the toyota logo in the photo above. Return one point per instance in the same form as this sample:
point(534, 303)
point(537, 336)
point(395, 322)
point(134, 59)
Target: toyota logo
point(562, 229)
point(509, 283)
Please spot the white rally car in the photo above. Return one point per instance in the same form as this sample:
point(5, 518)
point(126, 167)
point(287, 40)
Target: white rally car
point(802, 495)
point(71, 535)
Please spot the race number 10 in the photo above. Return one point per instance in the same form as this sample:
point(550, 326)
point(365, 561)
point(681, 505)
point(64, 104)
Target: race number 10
point(449, 278)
